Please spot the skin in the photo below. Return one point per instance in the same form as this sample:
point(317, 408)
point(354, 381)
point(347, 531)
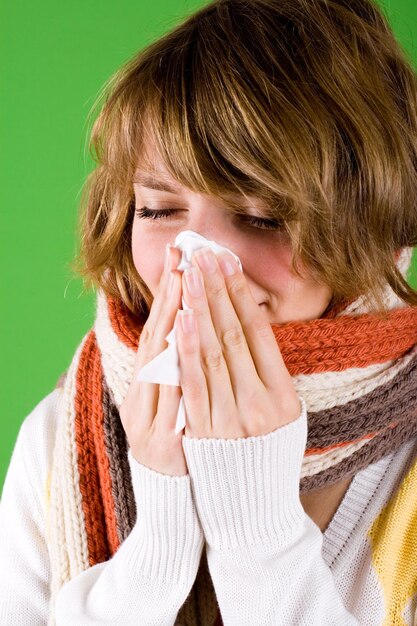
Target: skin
point(265, 292)
point(265, 255)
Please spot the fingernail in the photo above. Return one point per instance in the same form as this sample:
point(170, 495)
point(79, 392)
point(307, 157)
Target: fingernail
point(228, 264)
point(187, 320)
point(194, 282)
point(205, 259)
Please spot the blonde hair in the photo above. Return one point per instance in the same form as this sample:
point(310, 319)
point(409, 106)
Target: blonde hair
point(310, 105)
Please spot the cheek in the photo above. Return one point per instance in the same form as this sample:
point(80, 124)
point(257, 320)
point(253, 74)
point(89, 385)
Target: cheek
point(274, 272)
point(148, 251)
point(274, 263)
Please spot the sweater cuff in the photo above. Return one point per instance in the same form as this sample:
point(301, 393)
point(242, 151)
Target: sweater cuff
point(246, 490)
point(169, 534)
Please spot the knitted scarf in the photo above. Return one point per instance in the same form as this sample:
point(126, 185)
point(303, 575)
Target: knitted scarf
point(356, 372)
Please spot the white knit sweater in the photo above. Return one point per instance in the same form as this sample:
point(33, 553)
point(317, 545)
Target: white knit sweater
point(270, 564)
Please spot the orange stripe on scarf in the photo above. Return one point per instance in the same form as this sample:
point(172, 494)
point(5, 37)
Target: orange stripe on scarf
point(95, 480)
point(315, 346)
point(335, 345)
point(337, 446)
point(343, 444)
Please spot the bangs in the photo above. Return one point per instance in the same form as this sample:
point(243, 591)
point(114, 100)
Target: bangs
point(309, 107)
point(214, 130)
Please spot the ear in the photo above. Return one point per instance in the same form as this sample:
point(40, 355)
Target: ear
point(397, 254)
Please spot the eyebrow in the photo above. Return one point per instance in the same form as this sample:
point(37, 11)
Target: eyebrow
point(150, 182)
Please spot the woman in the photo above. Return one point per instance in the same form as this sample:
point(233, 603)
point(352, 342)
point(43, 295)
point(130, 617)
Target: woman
point(285, 132)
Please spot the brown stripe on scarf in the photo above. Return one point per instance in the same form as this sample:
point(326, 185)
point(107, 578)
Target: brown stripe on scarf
point(121, 479)
point(201, 607)
point(98, 415)
point(381, 445)
point(364, 415)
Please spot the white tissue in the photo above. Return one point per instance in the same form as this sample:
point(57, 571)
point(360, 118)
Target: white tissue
point(164, 368)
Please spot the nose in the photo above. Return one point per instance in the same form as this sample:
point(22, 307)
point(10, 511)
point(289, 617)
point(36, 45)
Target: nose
point(215, 225)
point(248, 268)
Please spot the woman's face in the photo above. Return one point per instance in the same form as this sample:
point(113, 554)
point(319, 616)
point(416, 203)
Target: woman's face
point(265, 254)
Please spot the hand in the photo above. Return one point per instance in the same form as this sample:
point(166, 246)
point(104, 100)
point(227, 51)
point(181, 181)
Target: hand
point(233, 378)
point(149, 410)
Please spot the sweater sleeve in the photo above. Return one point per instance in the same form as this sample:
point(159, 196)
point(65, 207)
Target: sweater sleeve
point(263, 551)
point(146, 582)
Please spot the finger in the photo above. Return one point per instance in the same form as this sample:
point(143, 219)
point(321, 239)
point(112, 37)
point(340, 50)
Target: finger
point(260, 339)
point(227, 328)
point(152, 341)
point(212, 362)
point(161, 317)
point(193, 381)
point(168, 405)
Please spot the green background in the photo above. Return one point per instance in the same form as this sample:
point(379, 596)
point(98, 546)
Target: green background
point(54, 60)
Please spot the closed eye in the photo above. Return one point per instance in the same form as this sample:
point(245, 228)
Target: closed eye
point(250, 220)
